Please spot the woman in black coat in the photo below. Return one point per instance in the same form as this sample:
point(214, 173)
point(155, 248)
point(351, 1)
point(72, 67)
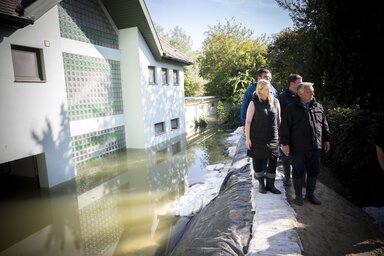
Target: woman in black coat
point(261, 130)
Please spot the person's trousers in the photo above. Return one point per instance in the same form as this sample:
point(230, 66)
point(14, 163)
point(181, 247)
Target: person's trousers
point(261, 164)
point(305, 162)
point(286, 162)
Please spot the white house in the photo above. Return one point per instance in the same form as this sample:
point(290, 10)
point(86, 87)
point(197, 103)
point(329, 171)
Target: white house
point(81, 79)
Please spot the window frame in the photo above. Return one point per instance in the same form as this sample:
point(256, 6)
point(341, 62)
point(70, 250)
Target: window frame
point(39, 67)
point(176, 81)
point(151, 75)
point(162, 130)
point(164, 71)
point(177, 124)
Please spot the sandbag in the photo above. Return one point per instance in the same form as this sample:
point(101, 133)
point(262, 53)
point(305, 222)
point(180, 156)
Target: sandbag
point(223, 227)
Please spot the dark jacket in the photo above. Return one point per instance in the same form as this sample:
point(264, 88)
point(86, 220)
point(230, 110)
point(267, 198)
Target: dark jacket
point(264, 130)
point(286, 98)
point(304, 129)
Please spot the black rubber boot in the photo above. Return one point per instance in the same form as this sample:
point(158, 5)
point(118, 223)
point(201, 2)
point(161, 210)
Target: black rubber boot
point(298, 186)
point(262, 188)
point(271, 186)
point(309, 195)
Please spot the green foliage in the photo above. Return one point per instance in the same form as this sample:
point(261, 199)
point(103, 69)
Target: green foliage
point(201, 123)
point(180, 40)
point(340, 50)
point(353, 157)
point(228, 113)
point(194, 84)
point(241, 81)
point(229, 55)
point(289, 52)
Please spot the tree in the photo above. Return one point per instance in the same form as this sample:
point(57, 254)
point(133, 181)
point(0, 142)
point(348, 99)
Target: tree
point(344, 42)
point(286, 56)
point(293, 51)
point(194, 84)
point(231, 56)
point(181, 41)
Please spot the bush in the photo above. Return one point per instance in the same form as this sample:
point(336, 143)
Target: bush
point(201, 123)
point(353, 157)
point(228, 114)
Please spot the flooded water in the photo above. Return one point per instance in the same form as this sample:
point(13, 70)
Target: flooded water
point(117, 205)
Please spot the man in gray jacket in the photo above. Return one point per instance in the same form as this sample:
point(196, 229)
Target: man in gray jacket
point(304, 132)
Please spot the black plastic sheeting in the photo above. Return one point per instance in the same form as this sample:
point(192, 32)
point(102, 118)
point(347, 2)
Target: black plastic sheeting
point(222, 227)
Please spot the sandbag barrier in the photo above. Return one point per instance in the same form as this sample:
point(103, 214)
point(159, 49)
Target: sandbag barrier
point(222, 227)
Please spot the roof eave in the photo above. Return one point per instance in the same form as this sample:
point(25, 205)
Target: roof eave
point(134, 13)
point(15, 22)
point(155, 38)
point(184, 62)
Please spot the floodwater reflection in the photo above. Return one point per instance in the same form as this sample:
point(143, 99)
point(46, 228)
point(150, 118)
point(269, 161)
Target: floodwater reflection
point(117, 205)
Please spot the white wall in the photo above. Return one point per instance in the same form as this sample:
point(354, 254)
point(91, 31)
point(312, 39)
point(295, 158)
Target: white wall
point(34, 116)
point(147, 104)
point(197, 108)
point(131, 86)
point(162, 103)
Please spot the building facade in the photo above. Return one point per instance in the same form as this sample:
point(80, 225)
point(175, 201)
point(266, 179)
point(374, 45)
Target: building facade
point(82, 79)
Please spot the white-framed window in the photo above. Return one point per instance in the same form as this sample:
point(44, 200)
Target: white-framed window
point(164, 76)
point(28, 64)
point(176, 77)
point(151, 75)
point(175, 124)
point(159, 128)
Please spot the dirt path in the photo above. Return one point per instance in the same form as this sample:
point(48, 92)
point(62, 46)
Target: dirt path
point(337, 227)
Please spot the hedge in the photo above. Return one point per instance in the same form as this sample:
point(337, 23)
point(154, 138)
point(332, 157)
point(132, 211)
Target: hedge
point(352, 157)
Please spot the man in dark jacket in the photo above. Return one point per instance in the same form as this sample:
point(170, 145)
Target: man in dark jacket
point(303, 133)
point(287, 97)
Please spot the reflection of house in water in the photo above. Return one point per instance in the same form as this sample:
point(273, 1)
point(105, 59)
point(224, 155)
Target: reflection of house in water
point(118, 208)
point(82, 79)
point(167, 165)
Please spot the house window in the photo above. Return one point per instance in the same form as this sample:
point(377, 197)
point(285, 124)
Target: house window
point(175, 124)
point(175, 77)
point(28, 64)
point(176, 148)
point(159, 128)
point(164, 76)
point(151, 75)
point(161, 155)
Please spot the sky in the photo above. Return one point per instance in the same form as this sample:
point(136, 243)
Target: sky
point(196, 16)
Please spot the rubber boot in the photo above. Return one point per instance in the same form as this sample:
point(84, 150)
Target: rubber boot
point(298, 186)
point(309, 195)
point(271, 186)
point(262, 188)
